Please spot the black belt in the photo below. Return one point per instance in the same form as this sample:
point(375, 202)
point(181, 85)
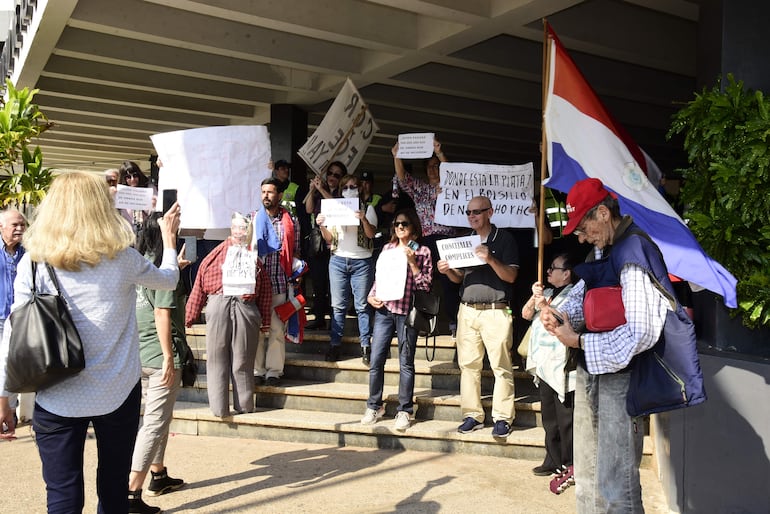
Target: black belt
point(486, 306)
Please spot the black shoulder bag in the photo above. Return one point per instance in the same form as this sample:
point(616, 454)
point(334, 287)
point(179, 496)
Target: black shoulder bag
point(423, 316)
point(45, 347)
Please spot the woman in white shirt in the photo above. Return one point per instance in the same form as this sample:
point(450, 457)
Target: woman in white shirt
point(350, 270)
point(79, 232)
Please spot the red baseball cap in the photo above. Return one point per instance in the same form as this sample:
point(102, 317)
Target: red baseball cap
point(584, 196)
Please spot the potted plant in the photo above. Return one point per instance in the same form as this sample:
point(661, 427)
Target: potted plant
point(23, 180)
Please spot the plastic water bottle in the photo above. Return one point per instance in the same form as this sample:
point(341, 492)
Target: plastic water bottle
point(394, 194)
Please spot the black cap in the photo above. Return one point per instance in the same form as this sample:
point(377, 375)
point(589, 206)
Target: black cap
point(282, 164)
point(367, 176)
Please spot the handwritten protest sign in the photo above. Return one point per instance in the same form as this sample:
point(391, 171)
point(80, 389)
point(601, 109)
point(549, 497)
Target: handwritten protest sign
point(458, 251)
point(343, 135)
point(216, 170)
point(136, 198)
point(509, 187)
point(239, 272)
point(340, 211)
point(415, 146)
point(390, 274)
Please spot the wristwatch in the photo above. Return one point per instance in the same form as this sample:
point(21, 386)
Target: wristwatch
point(580, 341)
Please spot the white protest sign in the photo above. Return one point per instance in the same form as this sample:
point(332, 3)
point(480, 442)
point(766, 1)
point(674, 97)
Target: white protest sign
point(340, 211)
point(216, 170)
point(458, 251)
point(390, 274)
point(136, 198)
point(343, 135)
point(415, 146)
point(510, 188)
point(239, 271)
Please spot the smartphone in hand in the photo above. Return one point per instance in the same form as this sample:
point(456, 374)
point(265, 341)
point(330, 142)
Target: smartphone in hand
point(413, 245)
point(558, 318)
point(169, 198)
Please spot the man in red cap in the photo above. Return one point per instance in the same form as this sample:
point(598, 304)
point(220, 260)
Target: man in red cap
point(608, 441)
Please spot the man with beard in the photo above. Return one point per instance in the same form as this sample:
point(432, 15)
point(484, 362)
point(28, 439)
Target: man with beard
point(271, 353)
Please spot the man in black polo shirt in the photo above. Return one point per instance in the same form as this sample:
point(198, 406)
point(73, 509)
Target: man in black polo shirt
point(484, 321)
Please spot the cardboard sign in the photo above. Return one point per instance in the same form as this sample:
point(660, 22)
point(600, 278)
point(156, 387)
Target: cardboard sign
point(340, 211)
point(136, 198)
point(510, 188)
point(458, 251)
point(216, 171)
point(415, 146)
point(343, 135)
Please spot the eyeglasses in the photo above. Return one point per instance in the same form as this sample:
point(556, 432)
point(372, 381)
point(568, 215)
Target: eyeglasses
point(350, 188)
point(476, 212)
point(112, 182)
point(551, 268)
point(335, 175)
point(402, 224)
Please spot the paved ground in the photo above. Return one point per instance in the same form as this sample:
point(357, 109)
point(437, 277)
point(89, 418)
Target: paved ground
point(238, 476)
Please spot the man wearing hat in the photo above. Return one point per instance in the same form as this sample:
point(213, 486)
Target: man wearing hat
point(366, 180)
point(608, 441)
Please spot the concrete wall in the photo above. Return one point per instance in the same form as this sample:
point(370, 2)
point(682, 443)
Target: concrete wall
point(715, 457)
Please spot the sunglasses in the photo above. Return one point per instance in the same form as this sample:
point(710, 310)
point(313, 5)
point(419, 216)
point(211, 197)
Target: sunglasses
point(551, 268)
point(131, 175)
point(402, 224)
point(476, 212)
point(112, 182)
point(350, 188)
point(335, 175)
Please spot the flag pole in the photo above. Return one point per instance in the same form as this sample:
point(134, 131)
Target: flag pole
point(542, 226)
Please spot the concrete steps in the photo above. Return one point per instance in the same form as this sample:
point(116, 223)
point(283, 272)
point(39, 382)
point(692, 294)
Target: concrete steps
point(322, 402)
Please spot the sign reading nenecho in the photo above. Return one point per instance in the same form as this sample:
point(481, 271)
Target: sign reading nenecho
point(510, 188)
point(343, 135)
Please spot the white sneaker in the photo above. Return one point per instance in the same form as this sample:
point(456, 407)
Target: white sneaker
point(402, 421)
point(371, 416)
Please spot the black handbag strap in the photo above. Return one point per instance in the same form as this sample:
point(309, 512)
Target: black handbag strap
point(428, 357)
point(51, 274)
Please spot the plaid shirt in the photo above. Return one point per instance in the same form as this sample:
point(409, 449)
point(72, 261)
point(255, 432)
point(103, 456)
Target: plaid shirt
point(421, 281)
point(209, 282)
point(272, 261)
point(424, 196)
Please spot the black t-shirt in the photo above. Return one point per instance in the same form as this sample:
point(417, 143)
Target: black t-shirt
point(481, 284)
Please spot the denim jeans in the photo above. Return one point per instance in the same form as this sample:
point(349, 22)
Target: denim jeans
point(384, 323)
point(608, 445)
point(60, 442)
point(346, 275)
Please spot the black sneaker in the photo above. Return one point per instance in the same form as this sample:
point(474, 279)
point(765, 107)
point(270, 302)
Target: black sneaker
point(366, 352)
point(543, 470)
point(137, 506)
point(469, 425)
point(273, 381)
point(333, 354)
point(161, 483)
point(502, 429)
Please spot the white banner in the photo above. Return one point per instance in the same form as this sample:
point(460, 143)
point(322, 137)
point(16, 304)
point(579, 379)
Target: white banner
point(343, 135)
point(415, 146)
point(390, 274)
point(458, 251)
point(510, 188)
point(340, 211)
point(216, 170)
point(136, 198)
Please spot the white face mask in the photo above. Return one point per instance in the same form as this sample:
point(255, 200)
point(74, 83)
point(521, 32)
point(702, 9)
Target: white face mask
point(350, 193)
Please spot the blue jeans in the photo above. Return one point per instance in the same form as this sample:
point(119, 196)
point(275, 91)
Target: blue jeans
point(60, 442)
point(384, 323)
point(346, 275)
point(608, 445)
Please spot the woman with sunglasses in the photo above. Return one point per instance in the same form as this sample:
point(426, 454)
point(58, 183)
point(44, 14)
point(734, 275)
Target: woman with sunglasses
point(547, 360)
point(329, 187)
point(350, 269)
point(130, 175)
point(402, 256)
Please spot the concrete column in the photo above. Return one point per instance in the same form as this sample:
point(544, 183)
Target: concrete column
point(288, 132)
point(732, 38)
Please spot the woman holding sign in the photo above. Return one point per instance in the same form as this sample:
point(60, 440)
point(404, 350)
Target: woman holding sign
point(238, 296)
point(402, 268)
point(350, 269)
